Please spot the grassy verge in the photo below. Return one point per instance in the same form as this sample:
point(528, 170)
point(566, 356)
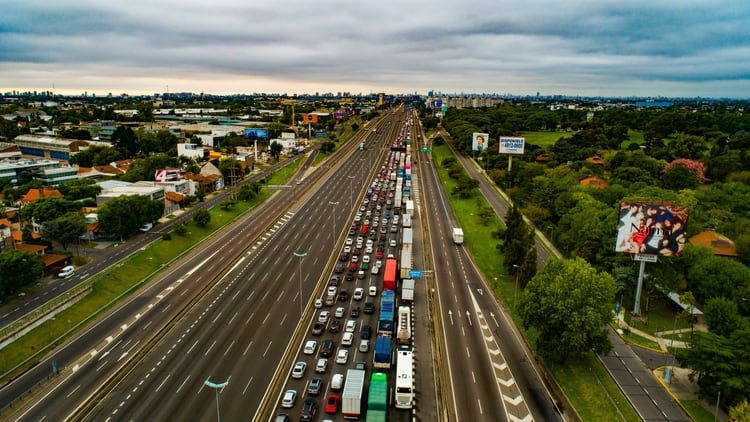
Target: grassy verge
point(592, 391)
point(544, 139)
point(122, 279)
point(697, 411)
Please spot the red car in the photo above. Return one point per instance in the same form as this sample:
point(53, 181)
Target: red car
point(332, 403)
point(379, 255)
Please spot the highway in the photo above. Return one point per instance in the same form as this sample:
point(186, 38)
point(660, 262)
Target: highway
point(490, 375)
point(239, 331)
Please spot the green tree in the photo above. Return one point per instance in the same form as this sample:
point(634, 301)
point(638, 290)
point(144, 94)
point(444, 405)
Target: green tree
point(569, 304)
point(124, 140)
point(123, 215)
point(740, 412)
point(275, 149)
point(678, 178)
point(47, 209)
point(231, 170)
point(80, 189)
point(528, 268)
point(202, 217)
point(715, 276)
point(722, 316)
point(65, 229)
point(17, 269)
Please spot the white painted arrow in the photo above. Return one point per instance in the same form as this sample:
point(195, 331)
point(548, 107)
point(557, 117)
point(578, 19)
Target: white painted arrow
point(450, 315)
point(493, 318)
point(468, 316)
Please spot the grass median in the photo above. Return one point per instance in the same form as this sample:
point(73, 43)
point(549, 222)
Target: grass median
point(121, 280)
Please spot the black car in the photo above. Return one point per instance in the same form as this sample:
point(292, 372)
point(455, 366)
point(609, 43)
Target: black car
point(369, 308)
point(309, 408)
point(344, 257)
point(326, 349)
point(349, 276)
point(343, 296)
point(352, 232)
point(354, 313)
point(334, 326)
point(366, 332)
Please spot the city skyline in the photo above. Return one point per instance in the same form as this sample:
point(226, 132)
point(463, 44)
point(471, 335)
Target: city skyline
point(579, 48)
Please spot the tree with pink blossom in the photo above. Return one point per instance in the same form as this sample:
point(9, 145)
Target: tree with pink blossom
point(692, 165)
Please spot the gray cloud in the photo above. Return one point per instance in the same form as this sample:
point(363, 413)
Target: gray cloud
point(574, 47)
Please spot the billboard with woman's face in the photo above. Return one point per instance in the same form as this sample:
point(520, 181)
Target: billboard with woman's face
point(651, 228)
point(479, 141)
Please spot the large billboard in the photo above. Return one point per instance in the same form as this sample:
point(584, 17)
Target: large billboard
point(309, 118)
point(256, 134)
point(651, 228)
point(479, 141)
point(511, 145)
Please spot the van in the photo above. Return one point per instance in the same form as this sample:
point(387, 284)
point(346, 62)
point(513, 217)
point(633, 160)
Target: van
point(337, 382)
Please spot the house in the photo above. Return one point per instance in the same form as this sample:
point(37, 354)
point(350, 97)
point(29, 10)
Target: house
point(594, 182)
point(721, 245)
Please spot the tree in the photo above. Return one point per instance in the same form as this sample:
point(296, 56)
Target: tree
point(720, 364)
point(17, 269)
point(722, 316)
point(123, 215)
point(123, 139)
point(275, 149)
point(47, 209)
point(68, 228)
point(740, 411)
point(80, 189)
point(202, 217)
point(231, 170)
point(569, 304)
point(528, 268)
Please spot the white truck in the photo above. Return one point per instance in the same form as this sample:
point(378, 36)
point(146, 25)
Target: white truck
point(407, 290)
point(351, 399)
point(458, 235)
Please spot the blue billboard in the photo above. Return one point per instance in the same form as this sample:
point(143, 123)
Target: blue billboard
point(256, 134)
point(437, 103)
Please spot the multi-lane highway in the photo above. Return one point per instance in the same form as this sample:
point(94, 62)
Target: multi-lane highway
point(239, 330)
point(489, 374)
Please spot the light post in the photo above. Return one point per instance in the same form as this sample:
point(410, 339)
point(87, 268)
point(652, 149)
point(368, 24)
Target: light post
point(300, 255)
point(333, 222)
point(216, 388)
point(718, 397)
point(351, 198)
point(515, 298)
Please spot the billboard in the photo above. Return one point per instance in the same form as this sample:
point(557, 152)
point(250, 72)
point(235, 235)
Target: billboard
point(256, 134)
point(309, 118)
point(651, 228)
point(437, 103)
point(511, 145)
point(479, 141)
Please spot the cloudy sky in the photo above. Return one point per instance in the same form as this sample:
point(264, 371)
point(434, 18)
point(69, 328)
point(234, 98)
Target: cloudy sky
point(572, 47)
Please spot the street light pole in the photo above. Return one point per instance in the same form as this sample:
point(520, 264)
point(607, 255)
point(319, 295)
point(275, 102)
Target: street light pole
point(300, 255)
point(216, 388)
point(333, 222)
point(515, 288)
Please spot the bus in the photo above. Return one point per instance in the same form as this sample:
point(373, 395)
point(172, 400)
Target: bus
point(403, 335)
point(404, 395)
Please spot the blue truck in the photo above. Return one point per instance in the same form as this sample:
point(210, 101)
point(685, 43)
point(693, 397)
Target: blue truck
point(382, 355)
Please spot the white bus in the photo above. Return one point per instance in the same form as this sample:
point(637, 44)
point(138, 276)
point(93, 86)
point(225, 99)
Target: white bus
point(404, 378)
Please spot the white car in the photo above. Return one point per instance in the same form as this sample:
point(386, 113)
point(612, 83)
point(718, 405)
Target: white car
point(347, 339)
point(342, 357)
point(339, 312)
point(358, 294)
point(321, 366)
point(332, 290)
point(349, 241)
point(366, 259)
point(351, 325)
point(289, 398)
point(318, 303)
point(393, 243)
point(347, 249)
point(378, 263)
point(323, 317)
point(310, 347)
point(299, 370)
point(66, 271)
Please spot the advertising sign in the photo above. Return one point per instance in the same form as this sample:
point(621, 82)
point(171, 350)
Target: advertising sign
point(479, 141)
point(651, 228)
point(256, 133)
point(511, 145)
point(309, 118)
point(437, 103)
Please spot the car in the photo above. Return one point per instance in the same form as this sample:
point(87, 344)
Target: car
point(327, 348)
point(347, 339)
point(359, 293)
point(334, 326)
point(335, 280)
point(337, 382)
point(368, 250)
point(282, 417)
point(364, 345)
point(391, 256)
point(354, 313)
point(317, 328)
point(347, 249)
point(330, 300)
point(332, 403)
point(379, 263)
point(290, 397)
point(394, 228)
point(379, 254)
point(349, 277)
point(344, 295)
point(361, 274)
point(393, 243)
point(324, 316)
point(351, 325)
point(361, 365)
point(299, 370)
point(355, 258)
point(349, 241)
point(352, 267)
point(366, 259)
point(374, 270)
point(339, 312)
point(343, 257)
point(365, 266)
point(369, 308)
point(332, 290)
point(372, 291)
point(340, 267)
point(309, 409)
point(321, 365)
point(314, 386)
point(318, 303)
point(66, 271)
point(342, 356)
point(310, 347)
point(352, 232)
point(365, 332)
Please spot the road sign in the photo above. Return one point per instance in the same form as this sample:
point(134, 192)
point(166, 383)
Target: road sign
point(415, 273)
